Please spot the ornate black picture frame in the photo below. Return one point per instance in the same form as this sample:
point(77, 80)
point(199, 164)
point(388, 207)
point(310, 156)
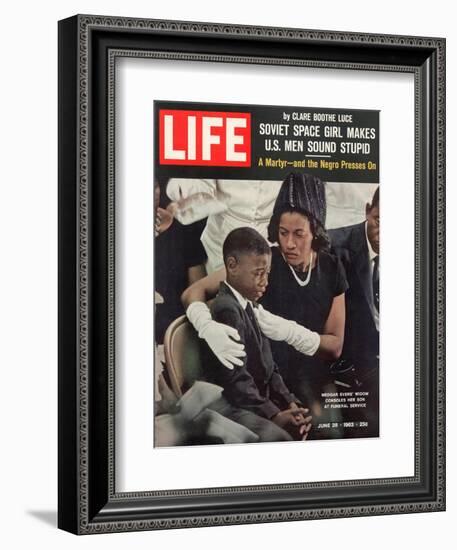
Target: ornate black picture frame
point(88, 501)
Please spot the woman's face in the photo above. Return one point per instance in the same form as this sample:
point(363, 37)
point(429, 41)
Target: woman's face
point(295, 238)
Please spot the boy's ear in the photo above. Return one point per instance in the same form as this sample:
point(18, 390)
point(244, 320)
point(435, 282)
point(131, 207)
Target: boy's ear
point(231, 262)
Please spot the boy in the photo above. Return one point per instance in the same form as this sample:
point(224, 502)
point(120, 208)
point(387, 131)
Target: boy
point(254, 394)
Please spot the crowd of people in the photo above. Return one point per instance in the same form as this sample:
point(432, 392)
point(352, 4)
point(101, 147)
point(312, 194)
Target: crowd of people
point(287, 312)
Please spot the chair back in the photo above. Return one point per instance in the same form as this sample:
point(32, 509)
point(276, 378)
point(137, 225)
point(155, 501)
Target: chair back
point(182, 355)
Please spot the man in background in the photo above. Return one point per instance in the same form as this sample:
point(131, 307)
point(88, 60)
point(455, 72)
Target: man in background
point(358, 248)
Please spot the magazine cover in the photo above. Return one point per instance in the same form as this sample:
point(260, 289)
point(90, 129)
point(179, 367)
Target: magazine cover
point(266, 266)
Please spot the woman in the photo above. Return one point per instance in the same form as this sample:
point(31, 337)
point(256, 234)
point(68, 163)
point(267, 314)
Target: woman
point(306, 285)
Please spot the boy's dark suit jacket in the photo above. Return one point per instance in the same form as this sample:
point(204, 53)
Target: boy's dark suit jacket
point(256, 386)
point(361, 341)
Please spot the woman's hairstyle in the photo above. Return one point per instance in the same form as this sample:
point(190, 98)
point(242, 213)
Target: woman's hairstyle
point(305, 194)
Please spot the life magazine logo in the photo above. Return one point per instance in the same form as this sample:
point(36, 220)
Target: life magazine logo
point(204, 138)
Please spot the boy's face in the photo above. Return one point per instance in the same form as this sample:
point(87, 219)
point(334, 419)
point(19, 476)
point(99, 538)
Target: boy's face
point(249, 274)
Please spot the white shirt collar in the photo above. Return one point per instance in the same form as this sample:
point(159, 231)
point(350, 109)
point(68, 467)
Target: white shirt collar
point(371, 253)
point(241, 299)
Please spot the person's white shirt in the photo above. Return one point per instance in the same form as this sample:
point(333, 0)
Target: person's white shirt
point(241, 299)
point(249, 204)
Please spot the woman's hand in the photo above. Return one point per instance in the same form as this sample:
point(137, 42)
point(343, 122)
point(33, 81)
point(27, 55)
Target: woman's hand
point(223, 340)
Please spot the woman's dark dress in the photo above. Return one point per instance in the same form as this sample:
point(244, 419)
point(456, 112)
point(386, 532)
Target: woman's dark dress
point(309, 306)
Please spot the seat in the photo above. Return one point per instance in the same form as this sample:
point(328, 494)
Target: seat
point(182, 355)
point(199, 422)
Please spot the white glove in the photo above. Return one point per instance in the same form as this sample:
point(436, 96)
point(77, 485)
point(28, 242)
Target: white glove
point(277, 328)
point(178, 189)
point(219, 337)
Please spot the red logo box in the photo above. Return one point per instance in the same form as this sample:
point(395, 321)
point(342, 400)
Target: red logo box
point(204, 138)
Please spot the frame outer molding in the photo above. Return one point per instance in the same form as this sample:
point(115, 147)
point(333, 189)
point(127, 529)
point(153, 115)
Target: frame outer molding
point(82, 25)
